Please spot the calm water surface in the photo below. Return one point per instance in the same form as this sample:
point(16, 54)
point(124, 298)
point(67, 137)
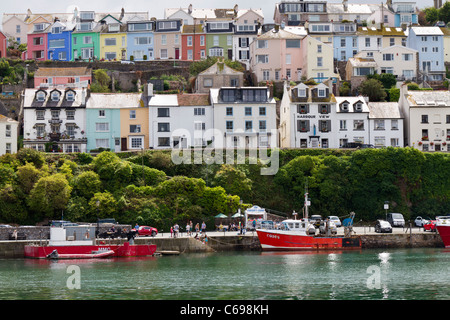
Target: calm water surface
point(367, 275)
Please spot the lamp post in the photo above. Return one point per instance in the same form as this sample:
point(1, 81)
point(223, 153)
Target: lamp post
point(386, 207)
point(97, 203)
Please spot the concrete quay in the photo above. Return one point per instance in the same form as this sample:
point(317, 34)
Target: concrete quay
point(232, 241)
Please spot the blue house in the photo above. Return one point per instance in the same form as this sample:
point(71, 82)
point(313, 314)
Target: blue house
point(60, 41)
point(429, 42)
point(102, 122)
point(404, 13)
point(140, 40)
point(345, 40)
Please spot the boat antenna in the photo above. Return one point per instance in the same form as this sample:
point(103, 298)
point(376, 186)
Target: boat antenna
point(306, 200)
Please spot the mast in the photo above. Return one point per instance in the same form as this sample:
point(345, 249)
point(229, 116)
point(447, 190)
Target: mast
point(305, 216)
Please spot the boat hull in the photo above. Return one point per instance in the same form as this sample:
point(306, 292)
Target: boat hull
point(90, 251)
point(271, 240)
point(444, 232)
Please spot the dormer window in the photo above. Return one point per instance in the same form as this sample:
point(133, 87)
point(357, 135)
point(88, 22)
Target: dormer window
point(321, 93)
point(358, 107)
point(40, 96)
point(55, 96)
point(344, 106)
point(70, 96)
point(302, 93)
point(114, 27)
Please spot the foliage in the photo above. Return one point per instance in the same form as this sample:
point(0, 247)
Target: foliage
point(373, 89)
point(394, 94)
point(199, 66)
point(102, 81)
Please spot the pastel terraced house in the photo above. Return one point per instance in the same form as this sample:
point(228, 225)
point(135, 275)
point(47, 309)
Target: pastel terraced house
point(76, 77)
point(37, 40)
point(140, 40)
point(318, 62)
point(60, 41)
point(113, 40)
point(8, 135)
point(277, 54)
point(167, 37)
point(193, 43)
point(86, 39)
point(219, 38)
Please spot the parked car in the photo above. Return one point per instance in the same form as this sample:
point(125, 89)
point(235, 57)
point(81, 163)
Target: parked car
point(420, 221)
point(396, 219)
point(382, 226)
point(352, 145)
point(336, 221)
point(146, 231)
point(126, 62)
point(430, 226)
point(62, 223)
point(365, 146)
point(315, 219)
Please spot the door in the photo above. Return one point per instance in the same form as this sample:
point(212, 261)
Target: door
point(230, 54)
point(123, 146)
point(177, 53)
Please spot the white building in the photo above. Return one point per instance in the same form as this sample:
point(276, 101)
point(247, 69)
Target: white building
point(245, 117)
point(352, 120)
point(308, 116)
point(56, 118)
point(8, 135)
point(385, 124)
point(179, 120)
point(427, 119)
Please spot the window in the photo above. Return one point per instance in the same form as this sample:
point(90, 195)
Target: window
point(229, 40)
point(324, 109)
point(262, 111)
point(319, 61)
point(291, 44)
point(163, 127)
point(199, 126)
point(143, 40)
point(189, 41)
point(215, 40)
point(394, 124)
point(199, 111)
point(229, 126)
point(55, 96)
point(343, 125)
point(246, 28)
point(87, 53)
point(102, 143)
point(424, 118)
point(219, 25)
point(40, 114)
point(229, 111)
point(248, 111)
point(40, 96)
point(102, 126)
point(70, 114)
point(303, 109)
point(167, 25)
point(59, 43)
point(139, 26)
point(379, 141)
point(163, 112)
point(70, 129)
point(101, 113)
point(164, 54)
point(288, 59)
point(388, 56)
point(38, 41)
point(110, 55)
point(207, 82)
point(70, 96)
point(110, 41)
point(135, 128)
point(358, 125)
point(342, 42)
point(266, 75)
point(163, 142)
point(62, 55)
point(202, 40)
point(262, 125)
point(8, 131)
point(391, 41)
point(228, 95)
point(367, 42)
point(319, 48)
point(325, 125)
point(379, 124)
point(136, 142)
point(216, 52)
point(262, 44)
point(321, 93)
point(248, 125)
point(40, 130)
point(262, 58)
point(303, 125)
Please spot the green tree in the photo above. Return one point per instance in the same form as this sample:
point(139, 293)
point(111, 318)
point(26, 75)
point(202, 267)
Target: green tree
point(431, 15)
point(233, 179)
point(50, 196)
point(394, 94)
point(373, 89)
point(444, 12)
point(103, 205)
point(86, 184)
point(388, 80)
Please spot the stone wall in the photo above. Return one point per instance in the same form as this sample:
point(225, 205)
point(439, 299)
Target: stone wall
point(422, 240)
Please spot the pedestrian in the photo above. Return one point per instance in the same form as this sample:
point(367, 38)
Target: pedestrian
point(203, 227)
point(191, 227)
point(171, 232)
point(197, 228)
point(176, 228)
point(188, 229)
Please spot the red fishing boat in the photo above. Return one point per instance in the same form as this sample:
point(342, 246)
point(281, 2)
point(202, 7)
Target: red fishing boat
point(297, 235)
point(61, 246)
point(443, 227)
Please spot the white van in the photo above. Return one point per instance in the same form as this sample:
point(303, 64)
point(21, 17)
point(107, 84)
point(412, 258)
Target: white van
point(396, 219)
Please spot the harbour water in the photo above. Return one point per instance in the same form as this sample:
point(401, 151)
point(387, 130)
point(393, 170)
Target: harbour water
point(394, 274)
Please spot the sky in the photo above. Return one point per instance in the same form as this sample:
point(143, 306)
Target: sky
point(154, 7)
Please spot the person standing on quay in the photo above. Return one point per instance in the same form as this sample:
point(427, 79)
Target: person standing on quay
point(203, 227)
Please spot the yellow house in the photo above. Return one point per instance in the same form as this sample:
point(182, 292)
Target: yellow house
point(318, 62)
point(113, 41)
point(446, 32)
point(134, 127)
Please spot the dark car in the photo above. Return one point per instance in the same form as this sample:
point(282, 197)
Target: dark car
point(146, 231)
point(382, 226)
point(352, 145)
point(365, 146)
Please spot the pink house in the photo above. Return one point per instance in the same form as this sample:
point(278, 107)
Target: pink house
point(37, 46)
point(3, 45)
point(76, 77)
point(277, 54)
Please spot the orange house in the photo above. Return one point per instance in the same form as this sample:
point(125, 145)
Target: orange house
point(193, 43)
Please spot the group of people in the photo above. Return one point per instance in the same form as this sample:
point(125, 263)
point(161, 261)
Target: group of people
point(174, 230)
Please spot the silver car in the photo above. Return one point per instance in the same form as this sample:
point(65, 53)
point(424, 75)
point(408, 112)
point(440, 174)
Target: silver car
point(336, 220)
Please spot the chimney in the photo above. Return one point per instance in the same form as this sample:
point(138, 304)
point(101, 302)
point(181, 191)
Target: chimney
point(190, 9)
point(148, 90)
point(345, 4)
point(122, 14)
point(236, 9)
point(83, 97)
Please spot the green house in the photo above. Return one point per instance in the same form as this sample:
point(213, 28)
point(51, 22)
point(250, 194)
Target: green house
point(219, 39)
point(85, 43)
